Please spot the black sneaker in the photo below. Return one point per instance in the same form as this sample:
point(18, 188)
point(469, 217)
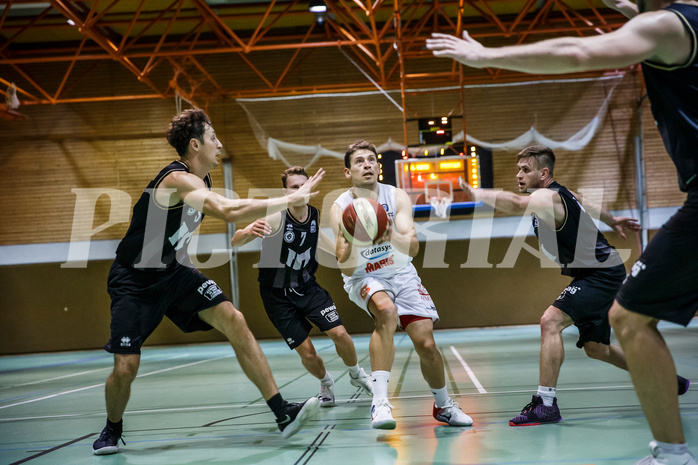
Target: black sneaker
point(536, 413)
point(297, 415)
point(108, 441)
point(683, 384)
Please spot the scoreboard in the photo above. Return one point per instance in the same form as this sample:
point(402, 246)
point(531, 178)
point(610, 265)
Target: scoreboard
point(421, 175)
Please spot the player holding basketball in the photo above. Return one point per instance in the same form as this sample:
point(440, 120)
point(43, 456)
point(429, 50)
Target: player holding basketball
point(382, 280)
point(292, 298)
point(662, 283)
point(153, 276)
point(569, 236)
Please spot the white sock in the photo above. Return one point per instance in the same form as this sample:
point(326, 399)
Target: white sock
point(327, 379)
point(380, 384)
point(547, 394)
point(354, 371)
point(669, 448)
point(441, 396)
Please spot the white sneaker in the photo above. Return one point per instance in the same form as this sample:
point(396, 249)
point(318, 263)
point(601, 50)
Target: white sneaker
point(363, 381)
point(660, 457)
point(381, 415)
point(452, 414)
point(326, 396)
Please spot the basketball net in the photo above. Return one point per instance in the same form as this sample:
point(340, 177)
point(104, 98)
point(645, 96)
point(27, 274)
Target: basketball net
point(440, 206)
point(440, 195)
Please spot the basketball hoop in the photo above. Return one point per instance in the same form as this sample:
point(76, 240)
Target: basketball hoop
point(440, 195)
point(440, 206)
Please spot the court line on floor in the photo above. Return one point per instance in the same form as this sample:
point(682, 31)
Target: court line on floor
point(102, 384)
point(45, 380)
point(470, 372)
point(48, 451)
point(352, 399)
point(312, 448)
point(52, 365)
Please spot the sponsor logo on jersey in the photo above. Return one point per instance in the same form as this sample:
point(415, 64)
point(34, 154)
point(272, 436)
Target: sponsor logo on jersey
point(330, 313)
point(365, 291)
point(313, 227)
point(289, 236)
point(191, 211)
point(637, 267)
point(572, 290)
point(382, 263)
point(210, 289)
point(376, 251)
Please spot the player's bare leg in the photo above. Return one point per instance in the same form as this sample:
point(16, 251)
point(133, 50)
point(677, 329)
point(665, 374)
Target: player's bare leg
point(117, 389)
point(612, 354)
point(552, 351)
point(316, 367)
point(421, 333)
point(381, 347)
point(344, 345)
point(311, 359)
point(229, 321)
point(652, 370)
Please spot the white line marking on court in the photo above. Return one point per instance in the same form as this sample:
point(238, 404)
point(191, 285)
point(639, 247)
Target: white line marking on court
point(57, 377)
point(102, 384)
point(477, 384)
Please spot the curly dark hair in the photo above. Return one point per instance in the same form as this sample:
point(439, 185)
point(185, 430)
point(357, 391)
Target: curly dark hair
point(188, 125)
point(292, 170)
point(360, 144)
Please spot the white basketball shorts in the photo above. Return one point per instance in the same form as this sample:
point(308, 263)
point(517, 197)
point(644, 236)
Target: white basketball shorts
point(404, 288)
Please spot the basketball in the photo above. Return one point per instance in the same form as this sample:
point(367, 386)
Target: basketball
point(364, 221)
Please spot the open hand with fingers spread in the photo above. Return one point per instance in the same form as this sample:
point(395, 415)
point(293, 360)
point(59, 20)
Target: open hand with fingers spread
point(621, 224)
point(467, 189)
point(307, 191)
point(466, 50)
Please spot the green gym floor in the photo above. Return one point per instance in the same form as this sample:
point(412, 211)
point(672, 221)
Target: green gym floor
point(193, 405)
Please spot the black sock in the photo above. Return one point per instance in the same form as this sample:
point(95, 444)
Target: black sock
point(277, 404)
point(118, 427)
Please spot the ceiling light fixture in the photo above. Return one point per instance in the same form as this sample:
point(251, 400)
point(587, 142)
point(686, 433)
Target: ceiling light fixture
point(317, 6)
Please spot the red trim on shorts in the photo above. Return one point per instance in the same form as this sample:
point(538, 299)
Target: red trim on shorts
point(407, 319)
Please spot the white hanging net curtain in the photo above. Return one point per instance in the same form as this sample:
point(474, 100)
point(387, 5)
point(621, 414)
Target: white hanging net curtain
point(552, 108)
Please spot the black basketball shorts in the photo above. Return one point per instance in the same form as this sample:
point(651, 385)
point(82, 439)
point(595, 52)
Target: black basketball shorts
point(587, 300)
point(294, 311)
point(663, 283)
point(140, 299)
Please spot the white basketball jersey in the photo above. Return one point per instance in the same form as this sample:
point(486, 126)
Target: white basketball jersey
point(379, 260)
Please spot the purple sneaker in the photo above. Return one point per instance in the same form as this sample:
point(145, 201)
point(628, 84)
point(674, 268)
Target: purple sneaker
point(683, 384)
point(536, 413)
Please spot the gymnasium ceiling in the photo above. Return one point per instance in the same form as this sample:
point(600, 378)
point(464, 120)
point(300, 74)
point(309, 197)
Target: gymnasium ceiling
point(59, 51)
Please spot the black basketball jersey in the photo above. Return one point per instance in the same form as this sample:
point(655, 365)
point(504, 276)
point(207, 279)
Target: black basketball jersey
point(288, 257)
point(673, 95)
point(577, 246)
point(158, 235)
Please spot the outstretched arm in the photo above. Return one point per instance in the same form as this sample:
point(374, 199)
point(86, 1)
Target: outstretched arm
point(259, 228)
point(619, 224)
point(545, 203)
point(625, 7)
point(193, 191)
point(658, 36)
